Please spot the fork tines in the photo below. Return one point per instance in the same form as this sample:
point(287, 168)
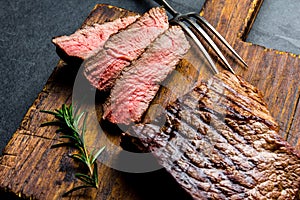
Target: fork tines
point(191, 22)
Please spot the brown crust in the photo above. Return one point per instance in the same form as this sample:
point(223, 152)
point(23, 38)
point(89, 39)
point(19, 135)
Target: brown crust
point(220, 142)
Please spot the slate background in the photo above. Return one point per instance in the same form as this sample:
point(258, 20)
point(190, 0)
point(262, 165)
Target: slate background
point(27, 56)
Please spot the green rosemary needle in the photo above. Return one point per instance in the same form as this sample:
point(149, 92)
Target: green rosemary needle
point(70, 129)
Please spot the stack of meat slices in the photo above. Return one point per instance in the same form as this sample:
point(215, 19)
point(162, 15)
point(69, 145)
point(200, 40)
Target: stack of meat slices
point(138, 84)
point(130, 63)
point(224, 149)
point(121, 49)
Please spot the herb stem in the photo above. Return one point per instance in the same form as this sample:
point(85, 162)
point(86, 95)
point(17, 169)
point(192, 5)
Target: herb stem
point(69, 128)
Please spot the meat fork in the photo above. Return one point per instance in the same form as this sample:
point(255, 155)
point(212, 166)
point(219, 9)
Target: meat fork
point(193, 21)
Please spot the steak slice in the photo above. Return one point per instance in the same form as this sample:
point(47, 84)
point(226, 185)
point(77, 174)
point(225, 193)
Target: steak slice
point(138, 84)
point(120, 49)
point(220, 142)
point(90, 39)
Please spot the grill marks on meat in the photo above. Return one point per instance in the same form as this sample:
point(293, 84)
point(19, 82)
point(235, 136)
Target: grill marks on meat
point(120, 49)
point(220, 142)
point(139, 83)
point(90, 39)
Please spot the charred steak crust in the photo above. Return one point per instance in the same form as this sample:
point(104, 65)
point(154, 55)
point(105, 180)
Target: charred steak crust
point(120, 49)
point(139, 83)
point(89, 39)
point(220, 142)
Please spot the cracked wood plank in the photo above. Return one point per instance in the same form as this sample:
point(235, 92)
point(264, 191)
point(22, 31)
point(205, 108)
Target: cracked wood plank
point(30, 168)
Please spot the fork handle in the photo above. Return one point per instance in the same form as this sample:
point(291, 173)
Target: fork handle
point(168, 7)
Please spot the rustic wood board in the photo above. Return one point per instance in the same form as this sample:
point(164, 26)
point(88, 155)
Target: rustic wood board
point(30, 168)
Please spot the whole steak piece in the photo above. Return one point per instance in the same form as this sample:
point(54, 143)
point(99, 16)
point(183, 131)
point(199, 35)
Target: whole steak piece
point(220, 142)
point(90, 39)
point(139, 83)
point(120, 49)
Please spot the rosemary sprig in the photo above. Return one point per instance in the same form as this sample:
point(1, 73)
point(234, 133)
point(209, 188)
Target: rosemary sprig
point(70, 129)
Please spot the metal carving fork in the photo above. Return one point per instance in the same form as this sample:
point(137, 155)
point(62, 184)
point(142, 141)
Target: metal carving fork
point(191, 22)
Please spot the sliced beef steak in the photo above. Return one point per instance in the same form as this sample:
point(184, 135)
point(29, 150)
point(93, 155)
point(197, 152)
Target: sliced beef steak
point(90, 39)
point(139, 83)
point(220, 142)
point(120, 49)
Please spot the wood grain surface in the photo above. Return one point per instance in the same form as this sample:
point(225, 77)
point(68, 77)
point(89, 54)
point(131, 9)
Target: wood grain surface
point(30, 168)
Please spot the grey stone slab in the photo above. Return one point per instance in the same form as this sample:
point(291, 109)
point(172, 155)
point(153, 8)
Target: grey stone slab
point(277, 26)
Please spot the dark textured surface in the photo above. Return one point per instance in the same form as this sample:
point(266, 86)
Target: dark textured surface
point(28, 57)
point(277, 26)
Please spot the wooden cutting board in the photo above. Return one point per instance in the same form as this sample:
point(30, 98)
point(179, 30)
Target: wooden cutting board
point(30, 168)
